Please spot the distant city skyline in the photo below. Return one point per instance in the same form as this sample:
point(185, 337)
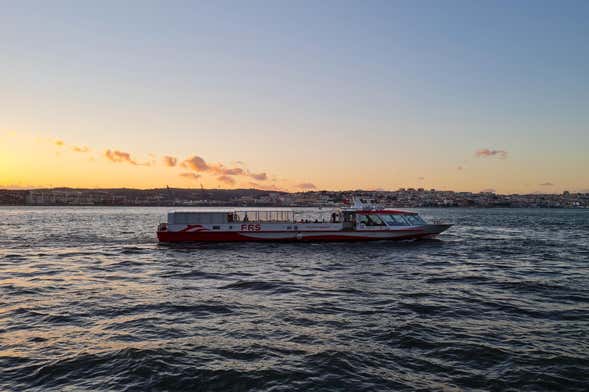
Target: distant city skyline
point(296, 96)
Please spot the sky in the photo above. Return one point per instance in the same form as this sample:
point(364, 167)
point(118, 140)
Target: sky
point(296, 95)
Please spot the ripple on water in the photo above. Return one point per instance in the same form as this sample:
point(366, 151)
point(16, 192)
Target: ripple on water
point(89, 301)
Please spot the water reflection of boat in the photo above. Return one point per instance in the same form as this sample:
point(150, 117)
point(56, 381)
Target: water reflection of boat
point(359, 222)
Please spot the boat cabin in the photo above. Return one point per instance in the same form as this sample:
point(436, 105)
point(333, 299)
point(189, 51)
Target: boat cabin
point(226, 217)
point(346, 219)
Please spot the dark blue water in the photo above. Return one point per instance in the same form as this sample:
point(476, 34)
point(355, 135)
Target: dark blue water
point(90, 301)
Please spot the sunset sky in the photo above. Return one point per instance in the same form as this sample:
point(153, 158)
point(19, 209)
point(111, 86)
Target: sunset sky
point(456, 95)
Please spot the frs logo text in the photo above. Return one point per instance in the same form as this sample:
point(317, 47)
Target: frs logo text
point(251, 227)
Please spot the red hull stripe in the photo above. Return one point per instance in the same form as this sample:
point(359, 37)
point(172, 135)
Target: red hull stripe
point(178, 236)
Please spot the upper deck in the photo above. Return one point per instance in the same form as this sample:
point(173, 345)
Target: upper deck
point(231, 216)
point(348, 217)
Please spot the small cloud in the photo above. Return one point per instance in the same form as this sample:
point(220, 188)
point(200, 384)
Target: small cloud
point(226, 179)
point(195, 163)
point(421, 178)
point(306, 186)
point(236, 171)
point(190, 176)
point(59, 143)
point(547, 184)
point(119, 156)
point(258, 176)
point(122, 157)
point(488, 190)
point(80, 149)
point(459, 168)
point(198, 164)
point(485, 152)
point(170, 161)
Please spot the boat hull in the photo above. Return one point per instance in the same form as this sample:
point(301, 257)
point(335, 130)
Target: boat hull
point(426, 231)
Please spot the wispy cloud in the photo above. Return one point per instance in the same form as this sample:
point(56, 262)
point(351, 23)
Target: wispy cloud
point(546, 184)
point(190, 176)
point(258, 176)
point(195, 163)
point(459, 168)
point(119, 156)
point(199, 165)
point(60, 143)
point(122, 157)
point(170, 161)
point(226, 179)
point(81, 149)
point(224, 171)
point(421, 178)
point(488, 190)
point(306, 186)
point(485, 153)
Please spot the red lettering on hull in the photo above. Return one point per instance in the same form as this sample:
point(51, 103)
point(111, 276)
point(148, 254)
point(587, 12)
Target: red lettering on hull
point(251, 227)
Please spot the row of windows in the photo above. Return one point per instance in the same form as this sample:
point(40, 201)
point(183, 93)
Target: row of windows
point(390, 220)
point(184, 218)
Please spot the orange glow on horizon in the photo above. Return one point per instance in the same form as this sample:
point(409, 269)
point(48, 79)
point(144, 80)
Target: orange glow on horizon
point(28, 161)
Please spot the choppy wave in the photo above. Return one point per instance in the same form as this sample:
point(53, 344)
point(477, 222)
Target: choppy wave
point(90, 301)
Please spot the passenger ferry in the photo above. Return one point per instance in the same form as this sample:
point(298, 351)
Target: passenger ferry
point(360, 222)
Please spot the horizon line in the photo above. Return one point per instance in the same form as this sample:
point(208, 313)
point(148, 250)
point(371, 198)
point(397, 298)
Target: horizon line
point(289, 192)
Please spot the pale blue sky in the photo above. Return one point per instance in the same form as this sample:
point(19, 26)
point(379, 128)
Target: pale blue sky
point(376, 93)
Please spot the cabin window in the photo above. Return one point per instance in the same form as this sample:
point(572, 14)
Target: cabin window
point(288, 227)
point(413, 221)
point(388, 220)
point(216, 227)
point(374, 220)
point(363, 219)
point(398, 220)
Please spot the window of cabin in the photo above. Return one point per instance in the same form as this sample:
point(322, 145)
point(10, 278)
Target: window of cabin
point(363, 219)
point(398, 220)
point(388, 220)
point(412, 220)
point(375, 220)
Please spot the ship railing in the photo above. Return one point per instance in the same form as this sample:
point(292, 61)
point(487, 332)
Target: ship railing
point(264, 216)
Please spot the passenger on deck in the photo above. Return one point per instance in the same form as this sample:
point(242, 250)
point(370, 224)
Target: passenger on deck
point(245, 218)
point(333, 217)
